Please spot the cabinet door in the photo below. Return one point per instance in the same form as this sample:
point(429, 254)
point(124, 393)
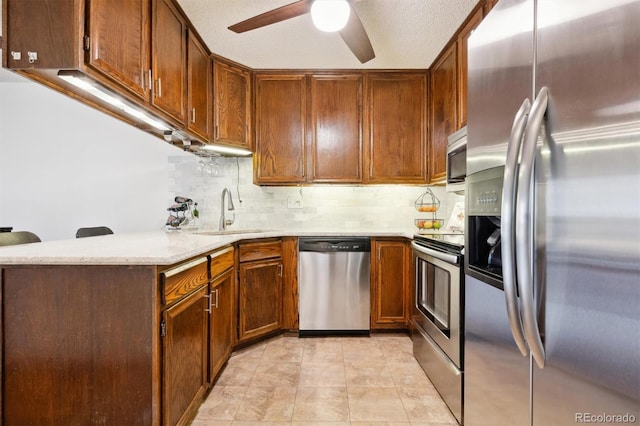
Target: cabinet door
point(185, 357)
point(232, 107)
point(169, 59)
point(336, 126)
point(260, 298)
point(221, 326)
point(391, 286)
point(120, 52)
point(280, 133)
point(396, 142)
point(463, 38)
point(443, 111)
point(199, 83)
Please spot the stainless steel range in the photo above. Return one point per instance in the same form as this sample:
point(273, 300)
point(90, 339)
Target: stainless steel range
point(437, 331)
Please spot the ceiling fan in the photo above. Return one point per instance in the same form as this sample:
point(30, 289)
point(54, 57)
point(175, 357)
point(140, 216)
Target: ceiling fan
point(351, 29)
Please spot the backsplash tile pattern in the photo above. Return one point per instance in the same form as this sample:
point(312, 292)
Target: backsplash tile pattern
point(325, 207)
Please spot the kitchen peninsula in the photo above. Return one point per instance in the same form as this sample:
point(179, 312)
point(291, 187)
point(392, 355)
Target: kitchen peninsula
point(134, 328)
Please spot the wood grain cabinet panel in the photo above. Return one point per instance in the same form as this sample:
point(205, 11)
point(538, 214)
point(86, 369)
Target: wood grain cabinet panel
point(280, 129)
point(47, 27)
point(79, 345)
point(199, 84)
point(221, 327)
point(232, 105)
point(391, 295)
point(336, 128)
point(462, 49)
point(121, 52)
point(260, 298)
point(185, 357)
point(396, 142)
point(182, 280)
point(260, 288)
point(443, 111)
point(169, 59)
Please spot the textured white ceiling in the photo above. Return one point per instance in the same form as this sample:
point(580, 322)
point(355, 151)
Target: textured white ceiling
point(404, 33)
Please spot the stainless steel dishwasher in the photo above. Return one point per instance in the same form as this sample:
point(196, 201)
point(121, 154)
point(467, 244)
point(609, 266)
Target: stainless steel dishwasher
point(334, 285)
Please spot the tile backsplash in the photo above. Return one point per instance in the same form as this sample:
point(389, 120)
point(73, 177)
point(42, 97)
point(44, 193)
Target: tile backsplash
point(317, 207)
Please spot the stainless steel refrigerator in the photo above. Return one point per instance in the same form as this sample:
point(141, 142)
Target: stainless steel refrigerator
point(552, 299)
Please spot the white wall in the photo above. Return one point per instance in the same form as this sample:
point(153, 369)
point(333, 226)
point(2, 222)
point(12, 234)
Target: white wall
point(64, 165)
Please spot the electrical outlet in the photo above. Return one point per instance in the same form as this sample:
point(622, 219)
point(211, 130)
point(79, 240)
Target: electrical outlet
point(294, 203)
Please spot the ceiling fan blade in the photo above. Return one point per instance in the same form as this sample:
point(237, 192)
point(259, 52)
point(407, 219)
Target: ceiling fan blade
point(271, 17)
point(356, 38)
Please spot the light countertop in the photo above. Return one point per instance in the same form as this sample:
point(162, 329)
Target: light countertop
point(150, 248)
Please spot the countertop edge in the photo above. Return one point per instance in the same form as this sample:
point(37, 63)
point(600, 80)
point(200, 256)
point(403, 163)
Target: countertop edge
point(152, 248)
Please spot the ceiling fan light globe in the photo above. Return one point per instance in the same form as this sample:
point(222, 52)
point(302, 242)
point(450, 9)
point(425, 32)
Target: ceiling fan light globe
point(330, 15)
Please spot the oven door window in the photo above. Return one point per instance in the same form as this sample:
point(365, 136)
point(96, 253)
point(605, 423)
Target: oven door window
point(433, 294)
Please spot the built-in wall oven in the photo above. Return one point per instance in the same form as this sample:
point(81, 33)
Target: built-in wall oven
point(437, 331)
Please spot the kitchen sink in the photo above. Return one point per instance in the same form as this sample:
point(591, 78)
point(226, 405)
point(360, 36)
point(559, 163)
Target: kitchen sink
point(231, 232)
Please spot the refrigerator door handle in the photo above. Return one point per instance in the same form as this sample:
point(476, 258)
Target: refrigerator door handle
point(524, 217)
point(508, 230)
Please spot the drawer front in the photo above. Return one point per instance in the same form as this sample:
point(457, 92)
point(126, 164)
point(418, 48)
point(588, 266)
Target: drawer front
point(221, 261)
point(260, 250)
point(183, 279)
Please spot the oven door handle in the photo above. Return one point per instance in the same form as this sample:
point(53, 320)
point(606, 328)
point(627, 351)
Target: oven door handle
point(507, 229)
point(445, 257)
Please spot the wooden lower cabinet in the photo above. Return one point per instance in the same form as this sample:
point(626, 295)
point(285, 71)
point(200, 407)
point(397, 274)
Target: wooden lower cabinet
point(184, 378)
point(260, 288)
point(221, 327)
point(390, 283)
point(260, 298)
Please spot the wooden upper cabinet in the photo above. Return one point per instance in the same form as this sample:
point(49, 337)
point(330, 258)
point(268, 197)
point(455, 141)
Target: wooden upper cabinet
point(280, 129)
point(169, 59)
point(442, 111)
point(232, 105)
point(336, 128)
point(47, 27)
point(120, 52)
point(463, 38)
point(395, 128)
point(199, 84)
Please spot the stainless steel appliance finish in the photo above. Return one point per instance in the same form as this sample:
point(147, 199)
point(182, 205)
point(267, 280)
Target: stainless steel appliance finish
point(334, 285)
point(457, 160)
point(437, 317)
point(553, 97)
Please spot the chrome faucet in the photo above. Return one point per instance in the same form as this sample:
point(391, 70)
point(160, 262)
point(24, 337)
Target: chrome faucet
point(223, 221)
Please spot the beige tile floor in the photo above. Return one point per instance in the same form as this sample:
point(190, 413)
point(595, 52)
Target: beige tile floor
point(327, 381)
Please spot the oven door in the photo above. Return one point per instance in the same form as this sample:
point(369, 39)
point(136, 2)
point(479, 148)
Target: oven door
point(437, 308)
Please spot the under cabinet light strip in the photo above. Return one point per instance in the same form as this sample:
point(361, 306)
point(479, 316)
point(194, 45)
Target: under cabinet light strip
point(226, 149)
point(100, 93)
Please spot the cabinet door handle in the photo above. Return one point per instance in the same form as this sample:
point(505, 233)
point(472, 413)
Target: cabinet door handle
point(159, 94)
point(281, 270)
point(208, 297)
point(193, 115)
point(217, 292)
